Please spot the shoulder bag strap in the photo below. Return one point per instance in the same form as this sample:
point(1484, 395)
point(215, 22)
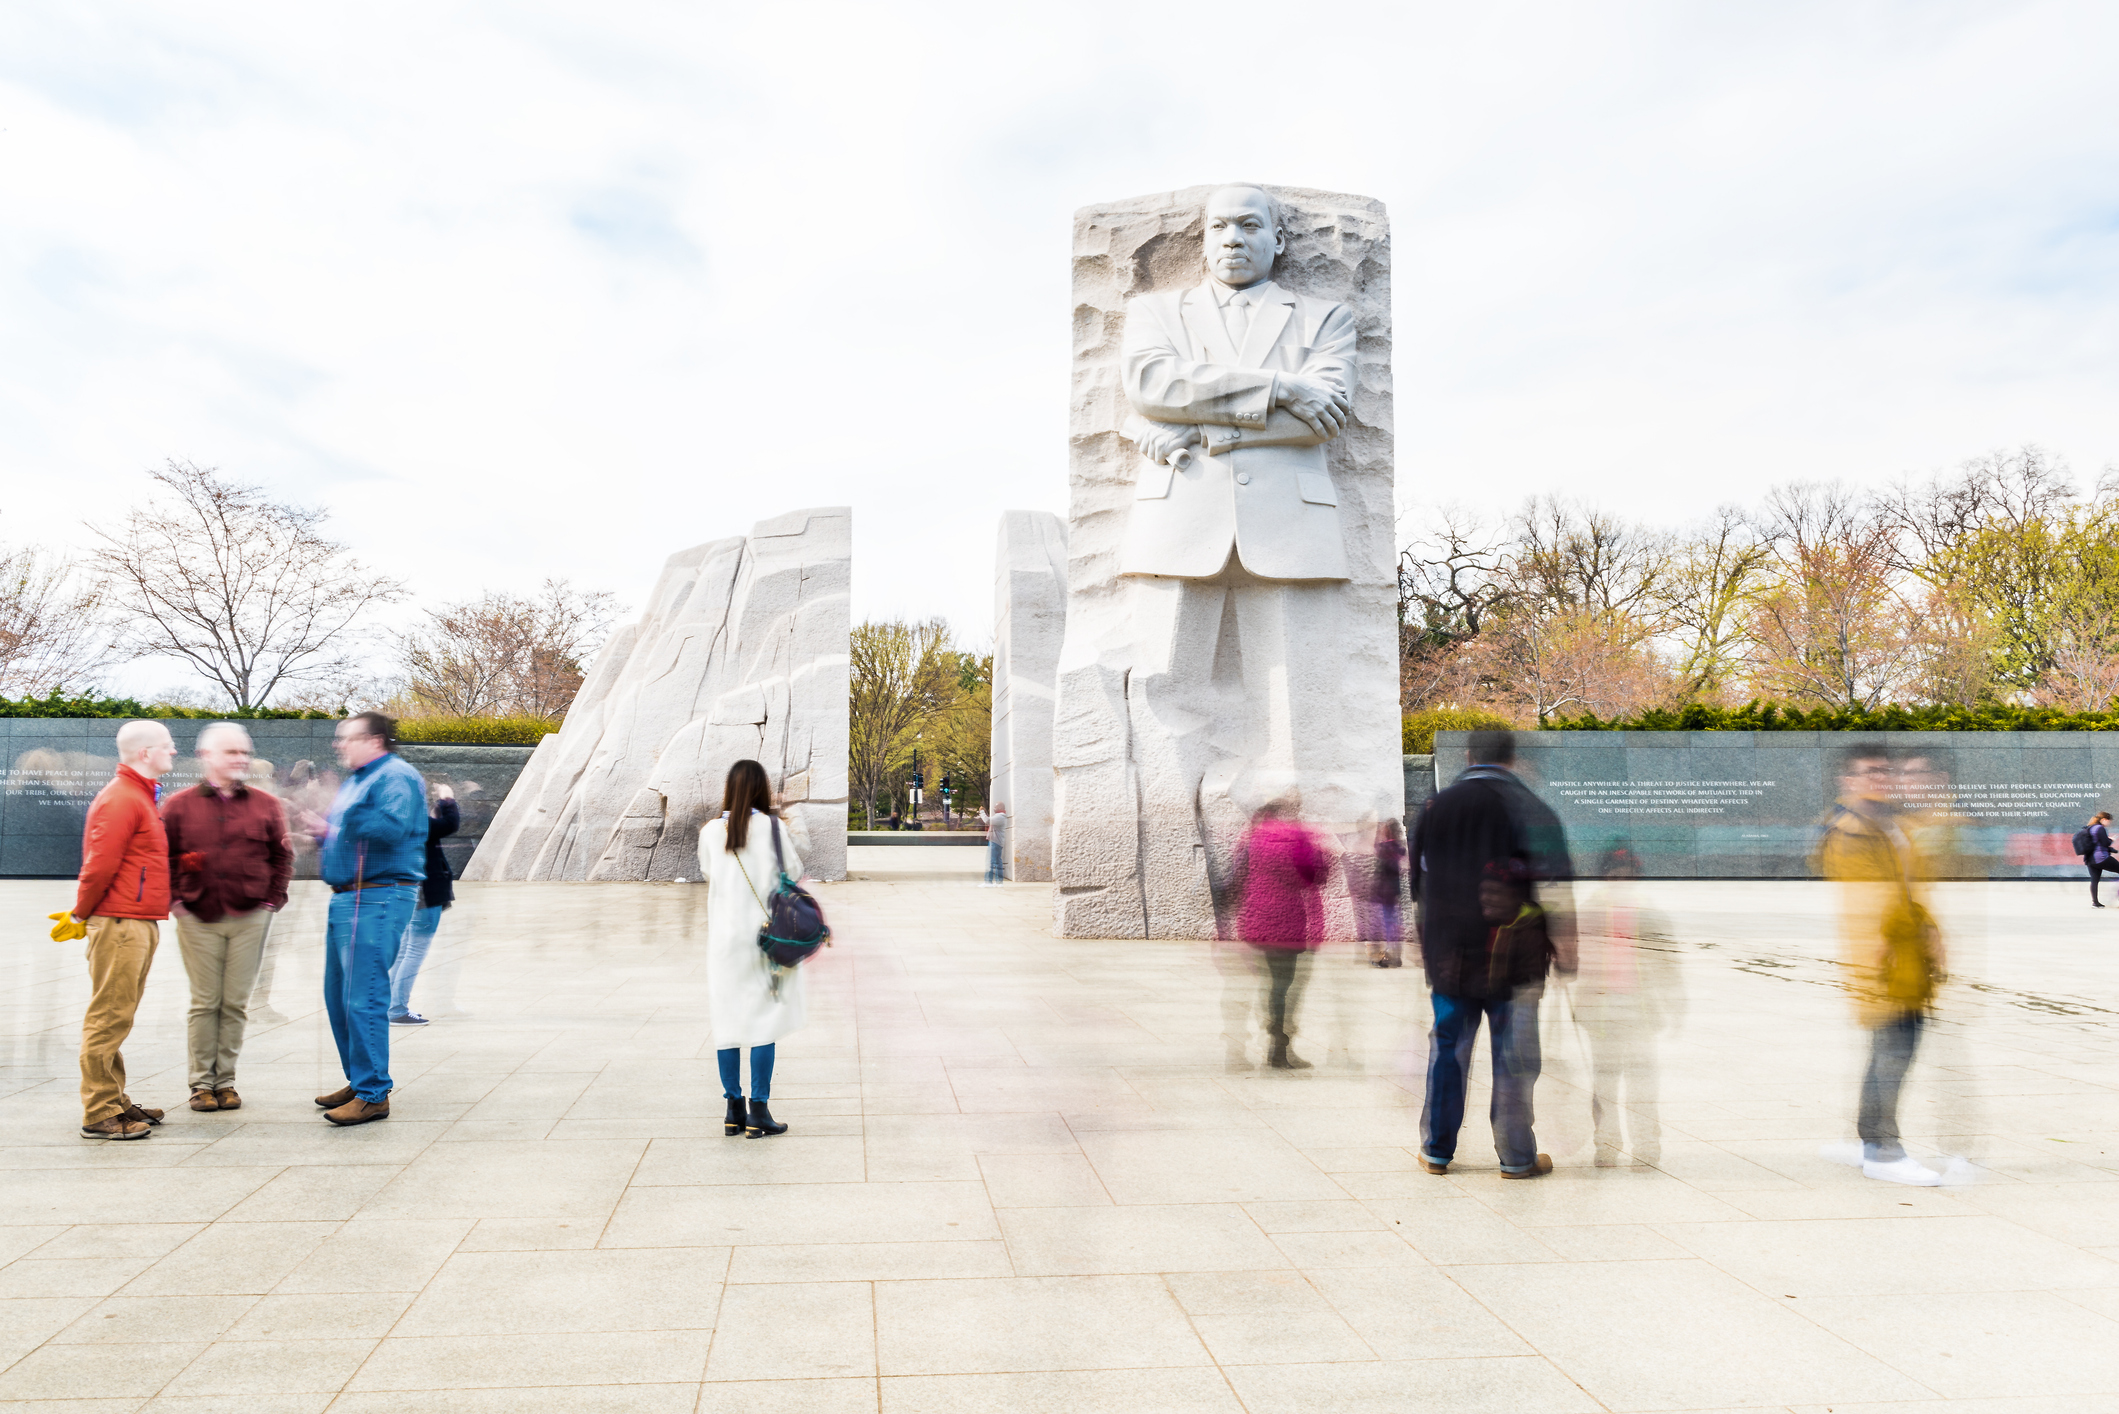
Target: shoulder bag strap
point(753, 886)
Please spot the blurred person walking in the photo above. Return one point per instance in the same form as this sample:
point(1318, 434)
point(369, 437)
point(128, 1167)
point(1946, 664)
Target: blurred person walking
point(373, 856)
point(1626, 992)
point(750, 1002)
point(1490, 879)
point(1280, 870)
point(996, 842)
point(230, 861)
point(436, 892)
point(1891, 950)
point(121, 897)
point(2094, 843)
point(1386, 889)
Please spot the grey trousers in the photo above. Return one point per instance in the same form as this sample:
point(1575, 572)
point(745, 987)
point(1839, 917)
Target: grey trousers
point(221, 958)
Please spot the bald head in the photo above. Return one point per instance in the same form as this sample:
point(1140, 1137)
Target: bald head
point(148, 748)
point(224, 755)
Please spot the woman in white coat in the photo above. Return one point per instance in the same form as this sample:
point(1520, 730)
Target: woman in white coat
point(747, 1003)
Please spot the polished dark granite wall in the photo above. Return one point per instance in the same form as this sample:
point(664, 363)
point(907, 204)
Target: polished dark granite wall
point(1747, 805)
point(50, 768)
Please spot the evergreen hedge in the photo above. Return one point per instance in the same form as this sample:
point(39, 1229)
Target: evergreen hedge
point(475, 731)
point(1417, 732)
point(57, 704)
point(454, 731)
point(1756, 716)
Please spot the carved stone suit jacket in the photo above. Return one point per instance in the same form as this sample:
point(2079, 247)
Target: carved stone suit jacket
point(1259, 482)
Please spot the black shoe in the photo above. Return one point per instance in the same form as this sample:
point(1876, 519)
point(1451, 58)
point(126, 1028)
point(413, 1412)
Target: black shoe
point(761, 1121)
point(1284, 1058)
point(733, 1124)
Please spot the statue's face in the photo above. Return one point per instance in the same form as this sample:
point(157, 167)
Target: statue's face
point(1240, 239)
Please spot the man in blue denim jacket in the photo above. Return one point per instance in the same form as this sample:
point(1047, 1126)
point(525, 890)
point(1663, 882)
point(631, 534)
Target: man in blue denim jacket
point(374, 857)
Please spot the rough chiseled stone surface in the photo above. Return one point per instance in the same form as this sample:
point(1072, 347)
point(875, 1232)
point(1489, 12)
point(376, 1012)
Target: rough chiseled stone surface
point(741, 653)
point(1144, 830)
point(1029, 618)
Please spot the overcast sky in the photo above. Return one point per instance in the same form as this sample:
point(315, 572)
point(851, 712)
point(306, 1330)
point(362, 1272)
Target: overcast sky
point(519, 290)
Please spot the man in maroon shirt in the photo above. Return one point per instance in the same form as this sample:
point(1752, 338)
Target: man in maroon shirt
point(229, 864)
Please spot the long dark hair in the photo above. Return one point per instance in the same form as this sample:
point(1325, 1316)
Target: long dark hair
point(748, 789)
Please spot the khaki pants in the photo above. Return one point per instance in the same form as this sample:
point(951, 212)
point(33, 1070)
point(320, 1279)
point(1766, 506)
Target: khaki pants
point(120, 950)
point(221, 958)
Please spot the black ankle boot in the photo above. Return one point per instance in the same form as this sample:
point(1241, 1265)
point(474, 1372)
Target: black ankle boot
point(734, 1123)
point(761, 1121)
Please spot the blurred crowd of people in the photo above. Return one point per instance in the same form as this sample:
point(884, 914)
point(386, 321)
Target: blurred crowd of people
point(1514, 942)
point(218, 857)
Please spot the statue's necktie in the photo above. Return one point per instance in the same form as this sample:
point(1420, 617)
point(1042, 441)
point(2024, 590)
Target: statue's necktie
point(1236, 317)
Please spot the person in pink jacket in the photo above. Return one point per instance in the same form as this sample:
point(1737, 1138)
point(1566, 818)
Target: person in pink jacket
point(1281, 916)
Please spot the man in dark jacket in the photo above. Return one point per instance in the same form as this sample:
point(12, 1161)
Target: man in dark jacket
point(229, 863)
point(374, 857)
point(122, 897)
point(436, 894)
point(1488, 826)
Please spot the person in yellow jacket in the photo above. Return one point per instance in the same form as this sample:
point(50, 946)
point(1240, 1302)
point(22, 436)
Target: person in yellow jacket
point(1891, 951)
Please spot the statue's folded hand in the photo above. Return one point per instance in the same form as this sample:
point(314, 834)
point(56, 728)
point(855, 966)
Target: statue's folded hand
point(1319, 404)
point(1157, 440)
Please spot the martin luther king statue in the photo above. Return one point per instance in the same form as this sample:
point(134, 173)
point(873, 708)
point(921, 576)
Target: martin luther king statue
point(1231, 627)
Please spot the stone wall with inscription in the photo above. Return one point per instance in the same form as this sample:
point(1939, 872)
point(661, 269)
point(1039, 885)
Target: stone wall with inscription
point(50, 768)
point(1746, 805)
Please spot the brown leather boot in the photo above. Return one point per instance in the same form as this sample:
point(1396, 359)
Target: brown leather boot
point(358, 1111)
point(229, 1099)
point(333, 1100)
point(117, 1127)
point(205, 1101)
point(139, 1115)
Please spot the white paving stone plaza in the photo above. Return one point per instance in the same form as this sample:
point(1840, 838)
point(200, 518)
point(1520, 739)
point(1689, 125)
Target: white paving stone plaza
point(1020, 1178)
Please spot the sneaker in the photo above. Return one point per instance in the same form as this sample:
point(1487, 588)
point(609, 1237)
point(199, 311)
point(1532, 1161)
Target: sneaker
point(116, 1127)
point(1904, 1169)
point(410, 1018)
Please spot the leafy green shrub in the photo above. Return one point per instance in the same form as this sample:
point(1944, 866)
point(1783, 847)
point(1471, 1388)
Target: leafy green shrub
point(476, 731)
point(1755, 716)
point(1420, 727)
point(57, 704)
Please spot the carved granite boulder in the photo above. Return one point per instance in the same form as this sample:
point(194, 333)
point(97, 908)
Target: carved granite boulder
point(742, 652)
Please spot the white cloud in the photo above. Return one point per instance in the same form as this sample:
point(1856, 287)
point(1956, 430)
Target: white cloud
point(525, 291)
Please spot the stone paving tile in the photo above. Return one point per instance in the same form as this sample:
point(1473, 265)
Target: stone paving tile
point(1021, 1177)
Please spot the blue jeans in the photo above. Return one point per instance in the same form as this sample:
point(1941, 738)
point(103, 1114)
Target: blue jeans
point(411, 952)
point(1514, 1029)
point(360, 943)
point(1891, 1048)
point(761, 1072)
point(993, 862)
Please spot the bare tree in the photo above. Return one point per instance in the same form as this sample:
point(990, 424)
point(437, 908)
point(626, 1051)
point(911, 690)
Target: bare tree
point(1573, 556)
point(245, 589)
point(901, 676)
point(1834, 628)
point(505, 655)
point(1704, 598)
point(54, 631)
point(1451, 578)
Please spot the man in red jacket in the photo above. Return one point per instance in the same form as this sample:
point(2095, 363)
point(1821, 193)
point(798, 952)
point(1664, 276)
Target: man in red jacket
point(229, 863)
point(123, 896)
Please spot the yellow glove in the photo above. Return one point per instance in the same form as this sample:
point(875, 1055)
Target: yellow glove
point(65, 927)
